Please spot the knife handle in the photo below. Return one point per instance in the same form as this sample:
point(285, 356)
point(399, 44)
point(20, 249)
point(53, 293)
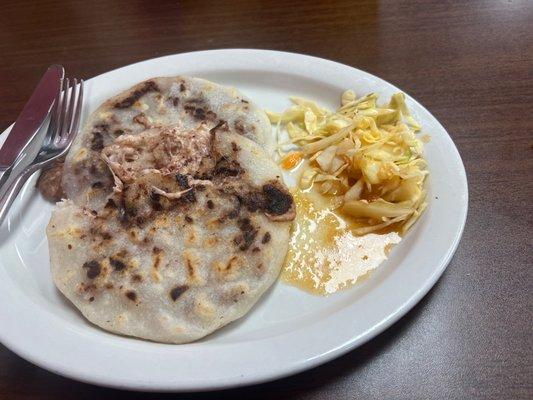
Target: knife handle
point(12, 191)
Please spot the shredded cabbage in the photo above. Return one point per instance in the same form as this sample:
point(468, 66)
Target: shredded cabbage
point(365, 155)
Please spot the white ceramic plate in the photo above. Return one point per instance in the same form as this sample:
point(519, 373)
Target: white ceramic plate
point(289, 330)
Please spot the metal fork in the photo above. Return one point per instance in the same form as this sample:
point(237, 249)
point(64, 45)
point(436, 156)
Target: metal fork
point(63, 127)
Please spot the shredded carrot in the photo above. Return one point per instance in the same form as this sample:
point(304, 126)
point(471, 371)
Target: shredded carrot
point(291, 160)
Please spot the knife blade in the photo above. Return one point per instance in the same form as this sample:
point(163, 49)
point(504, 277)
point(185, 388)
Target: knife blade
point(30, 119)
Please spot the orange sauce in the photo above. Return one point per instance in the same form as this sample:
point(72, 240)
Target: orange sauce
point(291, 160)
point(316, 231)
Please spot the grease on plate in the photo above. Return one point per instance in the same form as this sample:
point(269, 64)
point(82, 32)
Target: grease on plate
point(324, 256)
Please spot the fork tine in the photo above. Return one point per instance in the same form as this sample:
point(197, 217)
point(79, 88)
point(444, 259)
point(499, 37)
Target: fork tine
point(77, 113)
point(62, 112)
point(66, 117)
point(66, 141)
point(54, 117)
point(69, 117)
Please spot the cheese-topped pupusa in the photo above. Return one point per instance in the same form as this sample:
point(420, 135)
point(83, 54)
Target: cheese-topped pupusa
point(193, 230)
point(156, 102)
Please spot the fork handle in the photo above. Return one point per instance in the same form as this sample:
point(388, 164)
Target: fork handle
point(5, 172)
point(10, 194)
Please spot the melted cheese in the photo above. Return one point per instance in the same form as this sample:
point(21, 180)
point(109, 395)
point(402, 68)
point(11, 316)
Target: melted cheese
point(167, 150)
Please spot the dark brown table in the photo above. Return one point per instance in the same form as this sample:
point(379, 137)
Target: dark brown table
point(469, 62)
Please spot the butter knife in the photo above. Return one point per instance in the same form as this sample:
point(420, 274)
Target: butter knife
point(30, 120)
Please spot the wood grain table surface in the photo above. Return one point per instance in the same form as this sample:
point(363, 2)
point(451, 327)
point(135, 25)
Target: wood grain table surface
point(469, 62)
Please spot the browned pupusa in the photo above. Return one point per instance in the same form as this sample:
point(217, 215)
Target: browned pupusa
point(158, 102)
point(171, 253)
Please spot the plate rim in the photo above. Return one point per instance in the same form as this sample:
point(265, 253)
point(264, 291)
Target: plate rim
point(341, 349)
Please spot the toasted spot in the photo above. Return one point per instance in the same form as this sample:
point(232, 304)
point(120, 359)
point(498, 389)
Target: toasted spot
point(204, 308)
point(222, 125)
point(235, 293)
point(84, 288)
point(93, 269)
point(247, 237)
point(213, 224)
point(231, 268)
point(192, 262)
point(80, 156)
point(177, 291)
point(121, 319)
point(226, 167)
point(211, 115)
point(117, 264)
point(74, 232)
point(211, 242)
point(146, 87)
point(97, 142)
point(134, 235)
point(143, 120)
point(192, 236)
point(162, 221)
point(134, 263)
point(278, 201)
point(130, 294)
point(155, 275)
point(110, 204)
point(157, 257)
point(233, 213)
point(199, 113)
point(239, 127)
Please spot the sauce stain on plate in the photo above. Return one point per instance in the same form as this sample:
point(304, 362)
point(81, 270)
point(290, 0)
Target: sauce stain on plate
point(324, 256)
